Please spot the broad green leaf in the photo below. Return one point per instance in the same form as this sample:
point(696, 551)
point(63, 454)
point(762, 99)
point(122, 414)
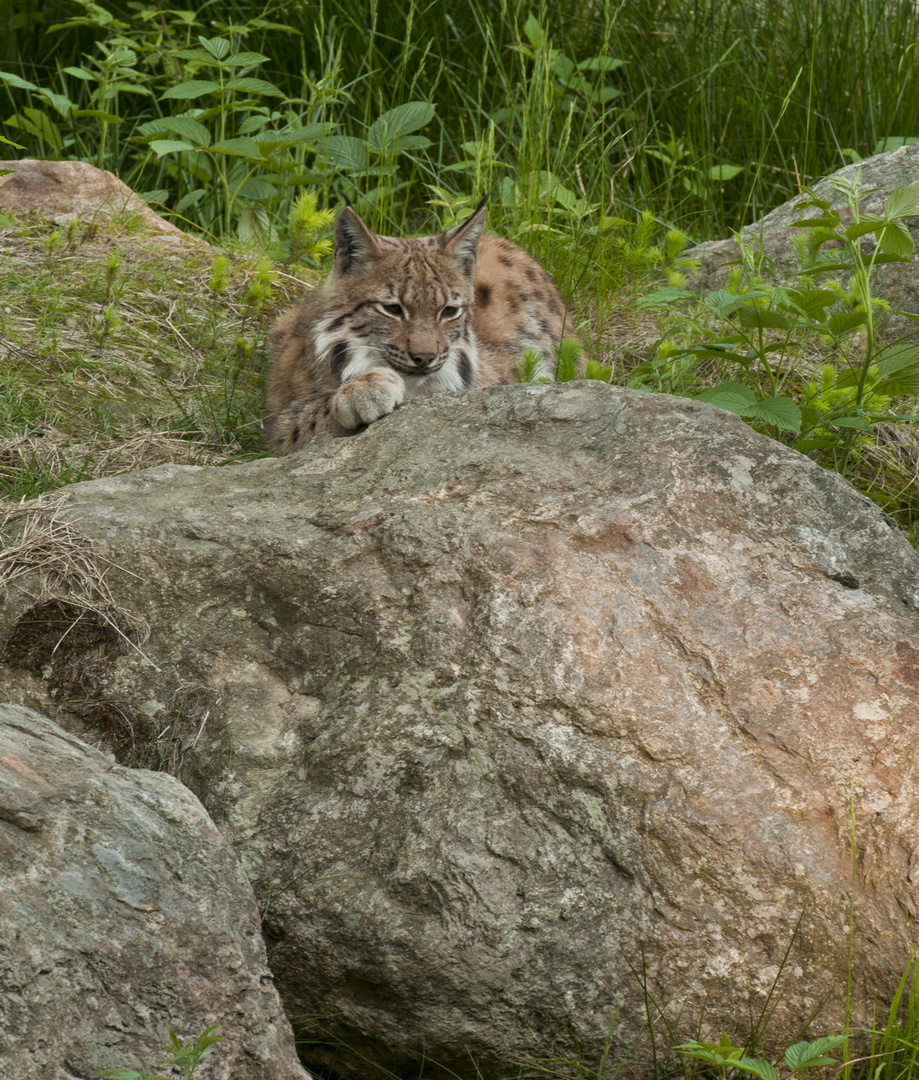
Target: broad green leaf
point(904, 383)
point(870, 223)
point(903, 202)
point(254, 86)
point(895, 239)
point(846, 321)
point(735, 397)
point(253, 225)
point(413, 142)
point(898, 358)
point(399, 121)
point(191, 198)
point(834, 266)
point(254, 123)
point(126, 88)
point(191, 89)
point(563, 196)
point(893, 142)
point(781, 412)
point(751, 315)
point(821, 204)
point(36, 123)
point(195, 54)
point(252, 188)
point(879, 260)
point(814, 302)
point(218, 47)
point(243, 147)
point(563, 67)
point(344, 152)
point(13, 80)
point(537, 36)
point(169, 146)
point(757, 1067)
point(264, 24)
point(725, 303)
point(787, 298)
point(666, 295)
point(829, 221)
point(717, 351)
point(724, 172)
point(803, 1054)
point(5, 222)
point(909, 315)
point(600, 63)
point(186, 127)
point(246, 59)
point(156, 195)
point(860, 423)
point(307, 133)
point(80, 73)
point(61, 102)
point(98, 114)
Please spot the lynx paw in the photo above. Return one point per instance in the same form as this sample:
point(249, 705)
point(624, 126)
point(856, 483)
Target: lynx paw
point(367, 397)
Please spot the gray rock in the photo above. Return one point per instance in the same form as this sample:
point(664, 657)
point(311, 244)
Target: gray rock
point(895, 282)
point(519, 698)
point(123, 913)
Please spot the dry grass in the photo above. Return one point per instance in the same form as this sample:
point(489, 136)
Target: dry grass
point(62, 565)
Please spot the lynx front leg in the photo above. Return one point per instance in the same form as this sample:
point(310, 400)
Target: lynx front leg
point(295, 426)
point(367, 397)
point(361, 400)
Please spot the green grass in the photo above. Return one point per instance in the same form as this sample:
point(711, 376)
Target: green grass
point(120, 351)
point(783, 91)
point(607, 135)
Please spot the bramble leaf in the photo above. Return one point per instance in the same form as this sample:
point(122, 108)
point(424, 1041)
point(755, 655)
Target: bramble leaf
point(903, 202)
point(781, 412)
point(191, 89)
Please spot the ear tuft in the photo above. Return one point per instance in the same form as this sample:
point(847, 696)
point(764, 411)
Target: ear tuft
point(356, 247)
point(462, 242)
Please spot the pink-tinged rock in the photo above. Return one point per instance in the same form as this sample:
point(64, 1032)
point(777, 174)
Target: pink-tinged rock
point(74, 188)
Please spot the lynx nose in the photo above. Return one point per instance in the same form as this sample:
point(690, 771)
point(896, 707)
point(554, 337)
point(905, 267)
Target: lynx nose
point(423, 359)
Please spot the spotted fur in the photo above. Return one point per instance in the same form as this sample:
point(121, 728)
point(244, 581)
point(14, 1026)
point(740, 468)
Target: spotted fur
point(399, 318)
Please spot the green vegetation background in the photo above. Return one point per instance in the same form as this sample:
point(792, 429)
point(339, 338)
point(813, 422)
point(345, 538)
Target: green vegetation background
point(609, 135)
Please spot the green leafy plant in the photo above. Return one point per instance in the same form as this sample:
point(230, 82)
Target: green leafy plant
point(758, 332)
point(186, 1058)
point(728, 1060)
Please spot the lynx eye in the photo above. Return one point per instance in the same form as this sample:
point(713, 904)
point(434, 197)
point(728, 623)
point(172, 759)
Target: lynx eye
point(394, 311)
point(451, 311)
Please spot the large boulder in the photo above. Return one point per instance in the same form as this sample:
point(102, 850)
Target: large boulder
point(123, 915)
point(776, 235)
point(516, 705)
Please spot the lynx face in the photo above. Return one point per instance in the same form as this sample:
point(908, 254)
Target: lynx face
point(398, 318)
point(402, 304)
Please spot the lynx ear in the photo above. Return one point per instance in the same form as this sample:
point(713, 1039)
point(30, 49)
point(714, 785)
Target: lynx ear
point(462, 241)
point(356, 247)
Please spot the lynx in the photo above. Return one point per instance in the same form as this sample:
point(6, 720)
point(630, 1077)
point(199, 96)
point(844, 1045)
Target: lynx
point(403, 318)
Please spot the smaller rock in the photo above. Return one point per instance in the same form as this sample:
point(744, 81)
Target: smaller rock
point(65, 190)
point(777, 235)
point(124, 914)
